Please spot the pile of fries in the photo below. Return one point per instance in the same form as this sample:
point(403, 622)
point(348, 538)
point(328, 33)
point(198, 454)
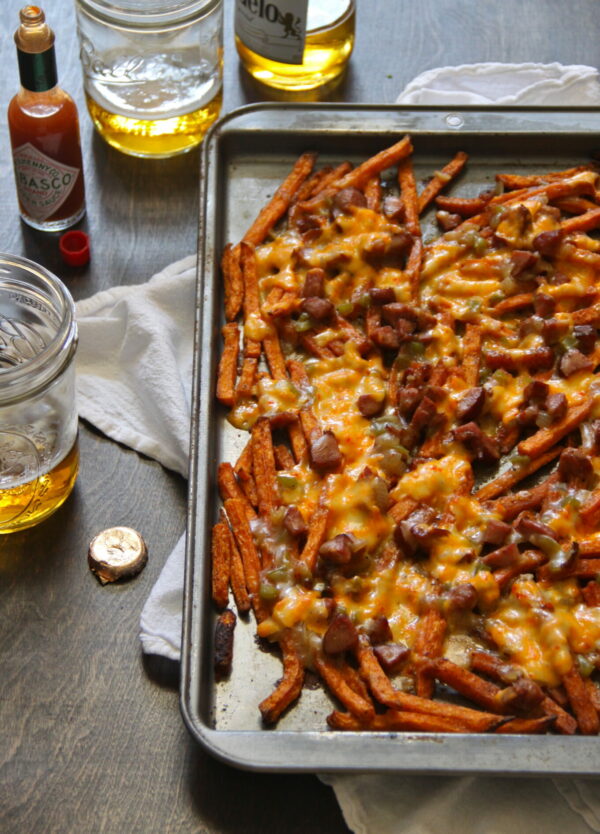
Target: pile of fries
point(416, 510)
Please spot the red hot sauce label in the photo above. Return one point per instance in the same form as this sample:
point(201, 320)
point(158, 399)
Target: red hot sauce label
point(43, 184)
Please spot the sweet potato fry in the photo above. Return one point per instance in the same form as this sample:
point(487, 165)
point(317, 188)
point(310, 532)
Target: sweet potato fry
point(233, 285)
point(441, 179)
point(227, 372)
point(544, 439)
point(317, 529)
point(471, 686)
point(283, 457)
point(263, 464)
point(230, 488)
point(224, 628)
point(529, 726)
point(469, 720)
point(289, 687)
point(336, 683)
point(237, 514)
point(581, 703)
point(471, 358)
point(512, 476)
point(394, 721)
point(512, 304)
point(237, 580)
point(277, 206)
point(410, 200)
point(429, 643)
point(465, 206)
point(582, 223)
point(221, 564)
point(245, 476)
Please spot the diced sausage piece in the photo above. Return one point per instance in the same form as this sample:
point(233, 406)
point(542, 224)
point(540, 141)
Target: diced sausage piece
point(522, 260)
point(393, 207)
point(501, 558)
point(386, 337)
point(308, 224)
point(369, 406)
point(423, 414)
point(382, 295)
point(523, 695)
point(391, 655)
point(462, 597)
point(341, 635)
point(408, 399)
point(319, 309)
point(325, 452)
point(399, 244)
point(575, 468)
point(471, 404)
point(340, 549)
point(417, 375)
point(282, 419)
point(347, 199)
point(557, 406)
point(405, 329)
point(496, 532)
point(314, 283)
point(378, 629)
point(553, 330)
point(448, 221)
point(435, 393)
point(586, 337)
point(482, 446)
point(374, 251)
point(528, 416)
point(543, 304)
point(397, 310)
point(536, 392)
point(546, 243)
point(574, 361)
point(527, 525)
point(294, 522)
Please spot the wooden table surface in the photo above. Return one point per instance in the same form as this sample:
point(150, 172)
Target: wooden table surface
point(91, 738)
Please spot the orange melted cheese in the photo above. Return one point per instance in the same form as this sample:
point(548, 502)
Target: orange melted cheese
point(538, 626)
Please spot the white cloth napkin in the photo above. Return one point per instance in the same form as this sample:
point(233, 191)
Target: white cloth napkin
point(134, 377)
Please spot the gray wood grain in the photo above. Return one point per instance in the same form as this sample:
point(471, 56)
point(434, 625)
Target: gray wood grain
point(91, 738)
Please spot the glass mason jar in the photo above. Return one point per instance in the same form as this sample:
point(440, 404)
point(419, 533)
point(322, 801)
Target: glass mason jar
point(39, 457)
point(152, 71)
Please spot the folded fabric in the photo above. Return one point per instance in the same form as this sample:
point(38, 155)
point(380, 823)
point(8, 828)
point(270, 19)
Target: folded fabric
point(537, 85)
point(134, 377)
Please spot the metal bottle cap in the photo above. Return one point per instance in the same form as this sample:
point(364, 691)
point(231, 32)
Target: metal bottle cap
point(117, 553)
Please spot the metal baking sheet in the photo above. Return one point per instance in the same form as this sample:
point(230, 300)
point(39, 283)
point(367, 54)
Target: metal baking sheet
point(245, 157)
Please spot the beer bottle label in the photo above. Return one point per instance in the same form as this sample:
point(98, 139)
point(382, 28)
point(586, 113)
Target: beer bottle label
point(43, 184)
point(275, 29)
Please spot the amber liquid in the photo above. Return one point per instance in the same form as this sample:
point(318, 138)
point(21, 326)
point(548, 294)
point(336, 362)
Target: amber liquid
point(326, 53)
point(154, 137)
point(49, 121)
point(27, 504)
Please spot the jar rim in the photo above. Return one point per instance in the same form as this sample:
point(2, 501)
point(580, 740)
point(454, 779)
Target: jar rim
point(33, 374)
point(148, 13)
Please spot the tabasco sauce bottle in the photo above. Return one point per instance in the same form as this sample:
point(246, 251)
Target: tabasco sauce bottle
point(44, 133)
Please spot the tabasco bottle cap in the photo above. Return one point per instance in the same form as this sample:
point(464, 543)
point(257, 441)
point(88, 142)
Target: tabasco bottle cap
point(74, 247)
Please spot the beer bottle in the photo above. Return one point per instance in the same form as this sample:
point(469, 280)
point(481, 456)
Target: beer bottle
point(294, 44)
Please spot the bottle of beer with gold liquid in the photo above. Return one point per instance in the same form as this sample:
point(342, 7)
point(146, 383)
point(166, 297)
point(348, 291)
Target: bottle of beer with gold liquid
point(294, 44)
